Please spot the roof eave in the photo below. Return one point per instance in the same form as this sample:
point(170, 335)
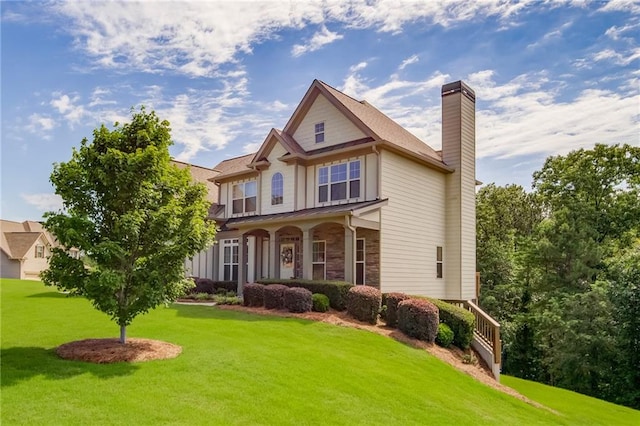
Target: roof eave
point(427, 161)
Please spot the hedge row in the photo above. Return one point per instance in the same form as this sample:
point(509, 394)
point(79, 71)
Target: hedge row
point(391, 313)
point(295, 299)
point(363, 303)
point(461, 322)
point(205, 285)
point(418, 318)
point(336, 291)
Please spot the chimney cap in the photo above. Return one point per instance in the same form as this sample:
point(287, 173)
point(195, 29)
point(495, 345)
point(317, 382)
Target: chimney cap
point(458, 86)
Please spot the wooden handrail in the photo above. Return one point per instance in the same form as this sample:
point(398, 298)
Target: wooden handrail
point(486, 328)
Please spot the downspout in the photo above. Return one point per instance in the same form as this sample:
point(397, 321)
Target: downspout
point(378, 174)
point(353, 246)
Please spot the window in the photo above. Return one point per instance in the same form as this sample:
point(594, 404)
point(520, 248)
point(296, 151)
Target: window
point(360, 262)
point(318, 259)
point(277, 189)
point(319, 131)
point(230, 259)
point(438, 262)
point(39, 251)
point(244, 197)
point(339, 182)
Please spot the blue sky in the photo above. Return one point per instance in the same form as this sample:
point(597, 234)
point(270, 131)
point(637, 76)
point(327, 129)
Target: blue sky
point(550, 76)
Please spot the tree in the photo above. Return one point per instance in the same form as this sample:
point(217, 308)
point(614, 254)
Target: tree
point(133, 214)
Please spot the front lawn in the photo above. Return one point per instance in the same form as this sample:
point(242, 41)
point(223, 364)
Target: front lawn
point(235, 368)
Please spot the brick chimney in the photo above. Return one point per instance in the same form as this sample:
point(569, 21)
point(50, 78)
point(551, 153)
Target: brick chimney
point(459, 152)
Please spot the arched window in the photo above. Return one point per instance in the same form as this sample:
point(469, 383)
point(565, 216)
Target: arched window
point(277, 189)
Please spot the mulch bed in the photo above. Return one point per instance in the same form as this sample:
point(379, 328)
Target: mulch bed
point(106, 351)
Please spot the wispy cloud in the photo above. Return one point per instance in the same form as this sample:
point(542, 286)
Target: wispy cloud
point(551, 35)
point(617, 57)
point(410, 60)
point(39, 123)
point(44, 202)
point(319, 39)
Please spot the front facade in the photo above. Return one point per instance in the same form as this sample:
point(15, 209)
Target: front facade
point(24, 249)
point(345, 193)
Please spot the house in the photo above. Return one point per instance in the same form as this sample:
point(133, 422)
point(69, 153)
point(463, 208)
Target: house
point(25, 249)
point(343, 192)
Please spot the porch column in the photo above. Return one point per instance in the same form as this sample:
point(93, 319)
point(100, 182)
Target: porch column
point(274, 257)
point(215, 266)
point(242, 267)
point(258, 266)
point(307, 252)
point(349, 253)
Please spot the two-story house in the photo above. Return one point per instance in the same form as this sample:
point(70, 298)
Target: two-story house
point(343, 192)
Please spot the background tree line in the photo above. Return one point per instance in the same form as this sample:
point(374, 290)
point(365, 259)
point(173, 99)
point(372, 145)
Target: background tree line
point(560, 269)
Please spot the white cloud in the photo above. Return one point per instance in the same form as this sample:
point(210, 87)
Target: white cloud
point(40, 123)
point(66, 106)
point(195, 38)
point(319, 39)
point(551, 35)
point(617, 57)
point(44, 202)
point(616, 33)
point(410, 60)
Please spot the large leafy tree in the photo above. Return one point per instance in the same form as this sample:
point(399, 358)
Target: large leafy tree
point(133, 214)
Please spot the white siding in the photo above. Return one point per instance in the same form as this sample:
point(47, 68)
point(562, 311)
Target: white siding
point(337, 128)
point(227, 187)
point(371, 177)
point(288, 174)
point(310, 185)
point(312, 182)
point(301, 197)
point(201, 265)
point(412, 226)
point(32, 266)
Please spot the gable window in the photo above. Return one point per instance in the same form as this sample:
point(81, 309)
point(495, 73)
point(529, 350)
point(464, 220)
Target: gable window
point(319, 132)
point(230, 259)
point(360, 263)
point(244, 197)
point(439, 262)
point(318, 260)
point(277, 189)
point(339, 182)
point(39, 251)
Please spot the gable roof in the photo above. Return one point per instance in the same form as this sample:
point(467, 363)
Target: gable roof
point(378, 128)
point(16, 238)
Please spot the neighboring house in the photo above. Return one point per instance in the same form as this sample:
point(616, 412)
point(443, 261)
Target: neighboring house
point(25, 249)
point(345, 193)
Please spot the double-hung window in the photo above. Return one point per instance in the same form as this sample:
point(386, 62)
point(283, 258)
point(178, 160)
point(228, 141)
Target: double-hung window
point(230, 259)
point(319, 132)
point(438, 262)
point(244, 197)
point(360, 260)
point(277, 189)
point(339, 182)
point(39, 251)
point(319, 260)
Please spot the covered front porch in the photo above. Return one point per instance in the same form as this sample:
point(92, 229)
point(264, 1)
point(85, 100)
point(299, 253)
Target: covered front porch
point(328, 243)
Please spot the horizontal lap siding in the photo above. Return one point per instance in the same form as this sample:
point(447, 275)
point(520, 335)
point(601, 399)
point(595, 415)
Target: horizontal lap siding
point(337, 127)
point(468, 210)
point(288, 174)
point(412, 226)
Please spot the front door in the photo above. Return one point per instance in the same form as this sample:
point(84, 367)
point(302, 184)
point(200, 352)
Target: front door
point(287, 260)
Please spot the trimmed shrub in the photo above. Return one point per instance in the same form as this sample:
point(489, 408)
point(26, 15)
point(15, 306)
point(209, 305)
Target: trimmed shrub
point(418, 318)
point(320, 302)
point(461, 322)
point(253, 295)
point(274, 296)
point(205, 285)
point(445, 336)
point(363, 303)
point(336, 291)
point(391, 315)
point(298, 299)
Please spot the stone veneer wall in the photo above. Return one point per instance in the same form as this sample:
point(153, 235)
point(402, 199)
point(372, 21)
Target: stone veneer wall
point(333, 234)
point(371, 255)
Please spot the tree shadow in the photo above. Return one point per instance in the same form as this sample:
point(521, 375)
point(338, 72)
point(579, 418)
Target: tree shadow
point(52, 295)
point(23, 363)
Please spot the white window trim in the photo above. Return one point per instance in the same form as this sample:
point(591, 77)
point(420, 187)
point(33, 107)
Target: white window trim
point(39, 247)
point(231, 243)
point(324, 263)
point(440, 262)
point(348, 181)
point(363, 261)
point(281, 188)
point(316, 133)
point(244, 197)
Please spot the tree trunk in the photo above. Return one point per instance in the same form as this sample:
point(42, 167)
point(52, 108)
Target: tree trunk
point(123, 334)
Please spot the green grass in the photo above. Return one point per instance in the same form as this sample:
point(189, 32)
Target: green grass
point(239, 369)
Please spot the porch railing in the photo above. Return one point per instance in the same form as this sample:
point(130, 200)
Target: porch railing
point(486, 328)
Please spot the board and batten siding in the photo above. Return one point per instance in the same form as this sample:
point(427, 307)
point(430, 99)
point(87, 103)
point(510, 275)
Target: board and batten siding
point(201, 265)
point(412, 226)
point(337, 128)
point(288, 175)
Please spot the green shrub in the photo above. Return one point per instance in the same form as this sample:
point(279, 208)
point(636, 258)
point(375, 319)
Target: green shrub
point(445, 336)
point(253, 295)
point(205, 285)
point(227, 300)
point(336, 291)
point(201, 296)
point(320, 302)
point(363, 303)
point(418, 318)
point(391, 317)
point(274, 296)
point(461, 322)
point(298, 299)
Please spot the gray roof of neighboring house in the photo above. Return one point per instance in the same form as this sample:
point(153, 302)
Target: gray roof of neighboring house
point(16, 238)
point(378, 127)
